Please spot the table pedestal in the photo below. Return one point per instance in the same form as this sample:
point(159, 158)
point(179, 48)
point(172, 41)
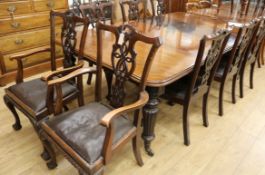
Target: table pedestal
point(150, 111)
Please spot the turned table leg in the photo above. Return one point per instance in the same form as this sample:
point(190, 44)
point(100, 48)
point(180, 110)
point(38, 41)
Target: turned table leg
point(150, 111)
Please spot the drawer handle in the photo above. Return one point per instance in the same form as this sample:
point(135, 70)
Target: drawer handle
point(19, 41)
point(50, 4)
point(15, 25)
point(11, 8)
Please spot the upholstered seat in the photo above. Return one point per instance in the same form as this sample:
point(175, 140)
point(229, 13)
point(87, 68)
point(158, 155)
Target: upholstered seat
point(179, 88)
point(34, 93)
point(81, 129)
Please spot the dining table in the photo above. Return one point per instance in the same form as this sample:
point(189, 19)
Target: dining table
point(180, 33)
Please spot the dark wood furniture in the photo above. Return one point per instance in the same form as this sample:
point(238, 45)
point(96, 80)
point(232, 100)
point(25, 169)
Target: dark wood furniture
point(25, 26)
point(176, 5)
point(231, 61)
point(181, 34)
point(199, 80)
point(89, 135)
point(158, 7)
point(97, 11)
point(134, 10)
point(252, 53)
point(35, 98)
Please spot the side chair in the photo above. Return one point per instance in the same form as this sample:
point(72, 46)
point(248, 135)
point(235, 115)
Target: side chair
point(231, 61)
point(200, 79)
point(134, 12)
point(252, 54)
point(34, 98)
point(89, 135)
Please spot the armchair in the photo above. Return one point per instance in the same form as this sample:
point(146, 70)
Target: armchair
point(89, 135)
point(35, 98)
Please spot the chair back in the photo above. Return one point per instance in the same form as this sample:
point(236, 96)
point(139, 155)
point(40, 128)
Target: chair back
point(133, 7)
point(95, 11)
point(124, 59)
point(205, 66)
point(242, 42)
point(158, 7)
point(68, 37)
point(258, 37)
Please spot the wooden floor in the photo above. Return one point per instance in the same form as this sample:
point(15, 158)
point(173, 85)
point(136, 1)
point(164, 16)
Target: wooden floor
point(232, 144)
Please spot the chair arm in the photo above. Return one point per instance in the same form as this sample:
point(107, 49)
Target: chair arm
point(106, 120)
point(62, 71)
point(71, 75)
point(57, 84)
point(19, 58)
point(29, 53)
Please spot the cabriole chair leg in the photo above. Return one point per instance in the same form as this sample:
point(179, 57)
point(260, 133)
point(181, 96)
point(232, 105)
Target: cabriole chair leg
point(17, 125)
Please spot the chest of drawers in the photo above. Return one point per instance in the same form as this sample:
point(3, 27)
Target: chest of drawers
point(24, 25)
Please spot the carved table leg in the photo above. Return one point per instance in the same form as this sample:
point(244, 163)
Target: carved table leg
point(150, 111)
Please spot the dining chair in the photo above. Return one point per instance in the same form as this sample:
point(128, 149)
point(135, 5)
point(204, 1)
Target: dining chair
point(252, 53)
point(89, 135)
point(158, 7)
point(231, 60)
point(32, 97)
point(134, 12)
point(200, 79)
point(97, 11)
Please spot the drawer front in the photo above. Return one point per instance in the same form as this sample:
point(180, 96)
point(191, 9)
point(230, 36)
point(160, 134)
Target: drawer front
point(29, 61)
point(21, 23)
point(47, 5)
point(12, 43)
point(18, 7)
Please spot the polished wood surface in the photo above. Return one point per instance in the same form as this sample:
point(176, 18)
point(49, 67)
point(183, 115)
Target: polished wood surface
point(180, 33)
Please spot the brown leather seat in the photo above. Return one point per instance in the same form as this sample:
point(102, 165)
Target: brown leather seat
point(179, 88)
point(81, 129)
point(34, 93)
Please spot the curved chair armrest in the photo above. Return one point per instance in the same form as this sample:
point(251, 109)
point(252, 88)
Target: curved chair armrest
point(57, 84)
point(19, 58)
point(29, 53)
point(71, 75)
point(61, 71)
point(106, 120)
